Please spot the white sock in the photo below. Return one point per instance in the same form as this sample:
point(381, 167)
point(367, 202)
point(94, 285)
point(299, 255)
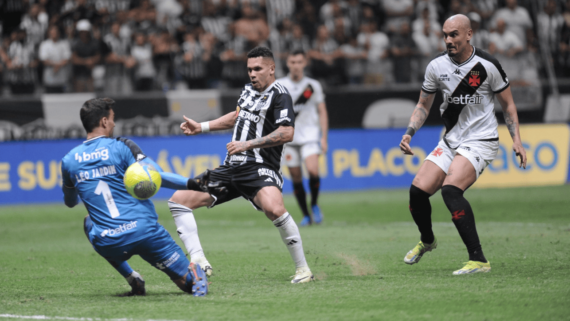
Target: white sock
point(187, 229)
point(292, 239)
point(133, 276)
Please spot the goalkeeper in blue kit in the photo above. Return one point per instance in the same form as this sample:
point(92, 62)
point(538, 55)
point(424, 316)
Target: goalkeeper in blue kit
point(118, 225)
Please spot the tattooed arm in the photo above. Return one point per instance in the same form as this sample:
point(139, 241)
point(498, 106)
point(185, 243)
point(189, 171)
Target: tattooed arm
point(191, 127)
point(280, 136)
point(512, 121)
point(418, 118)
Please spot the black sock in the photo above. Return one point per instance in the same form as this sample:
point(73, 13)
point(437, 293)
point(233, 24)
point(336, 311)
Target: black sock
point(420, 208)
point(464, 220)
point(315, 185)
point(301, 197)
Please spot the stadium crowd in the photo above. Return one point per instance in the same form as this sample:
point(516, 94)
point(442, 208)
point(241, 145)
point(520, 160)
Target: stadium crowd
point(121, 46)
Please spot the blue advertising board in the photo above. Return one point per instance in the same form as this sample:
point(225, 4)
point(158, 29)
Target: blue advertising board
point(357, 159)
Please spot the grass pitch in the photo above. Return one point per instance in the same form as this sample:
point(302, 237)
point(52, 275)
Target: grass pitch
point(47, 266)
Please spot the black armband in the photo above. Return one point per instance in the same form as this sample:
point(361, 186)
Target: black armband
point(410, 131)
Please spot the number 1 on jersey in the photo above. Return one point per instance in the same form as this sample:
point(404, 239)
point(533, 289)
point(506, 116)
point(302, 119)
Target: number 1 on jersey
point(103, 188)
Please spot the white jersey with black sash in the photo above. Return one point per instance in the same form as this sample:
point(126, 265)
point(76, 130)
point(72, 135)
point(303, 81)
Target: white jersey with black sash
point(469, 89)
point(259, 114)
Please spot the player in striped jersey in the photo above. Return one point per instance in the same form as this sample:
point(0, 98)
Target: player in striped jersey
point(263, 122)
point(469, 79)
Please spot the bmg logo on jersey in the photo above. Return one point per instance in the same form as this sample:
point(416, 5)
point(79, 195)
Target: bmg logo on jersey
point(101, 152)
point(464, 100)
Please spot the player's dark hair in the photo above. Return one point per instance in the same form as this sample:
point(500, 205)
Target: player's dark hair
point(298, 52)
point(260, 51)
point(94, 110)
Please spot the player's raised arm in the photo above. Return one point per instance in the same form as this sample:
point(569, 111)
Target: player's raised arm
point(418, 118)
point(324, 122)
point(512, 120)
point(191, 127)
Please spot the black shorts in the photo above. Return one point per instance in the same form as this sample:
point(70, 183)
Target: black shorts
point(243, 180)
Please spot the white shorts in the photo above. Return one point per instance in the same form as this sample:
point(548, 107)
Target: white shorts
point(295, 154)
point(479, 153)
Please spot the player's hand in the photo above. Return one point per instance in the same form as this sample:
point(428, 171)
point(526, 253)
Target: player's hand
point(521, 153)
point(190, 127)
point(324, 145)
point(215, 188)
point(236, 147)
point(405, 145)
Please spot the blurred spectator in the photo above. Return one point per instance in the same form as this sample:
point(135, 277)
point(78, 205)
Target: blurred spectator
point(280, 9)
point(299, 40)
point(85, 55)
point(144, 69)
point(397, 12)
point(432, 8)
point(188, 20)
point(480, 38)
point(355, 60)
point(338, 18)
point(215, 23)
point(327, 11)
point(355, 15)
point(116, 79)
point(55, 54)
point(429, 43)
point(76, 10)
point(234, 58)
point(35, 23)
point(419, 24)
point(324, 54)
point(145, 18)
point(11, 12)
point(504, 45)
point(164, 49)
point(307, 18)
point(456, 7)
point(564, 47)
point(549, 25)
point(403, 50)
point(486, 9)
point(193, 62)
point(21, 64)
point(251, 26)
point(377, 44)
point(517, 21)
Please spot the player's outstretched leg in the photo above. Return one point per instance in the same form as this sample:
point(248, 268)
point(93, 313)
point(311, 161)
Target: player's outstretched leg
point(420, 207)
point(464, 220)
point(188, 231)
point(134, 279)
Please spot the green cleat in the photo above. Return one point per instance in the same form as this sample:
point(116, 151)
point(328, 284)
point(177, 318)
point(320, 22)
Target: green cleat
point(474, 267)
point(417, 252)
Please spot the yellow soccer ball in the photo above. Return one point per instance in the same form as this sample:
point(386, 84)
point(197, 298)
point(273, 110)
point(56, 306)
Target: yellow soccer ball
point(142, 181)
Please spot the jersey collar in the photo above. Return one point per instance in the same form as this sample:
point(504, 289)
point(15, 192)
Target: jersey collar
point(92, 139)
point(466, 61)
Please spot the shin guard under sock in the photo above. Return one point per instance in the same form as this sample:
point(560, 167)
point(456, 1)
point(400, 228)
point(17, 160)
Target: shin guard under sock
point(464, 220)
point(420, 207)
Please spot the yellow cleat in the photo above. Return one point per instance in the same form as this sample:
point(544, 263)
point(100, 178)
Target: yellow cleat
point(417, 252)
point(474, 267)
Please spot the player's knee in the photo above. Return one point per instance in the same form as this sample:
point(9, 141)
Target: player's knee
point(451, 193)
point(274, 212)
point(417, 193)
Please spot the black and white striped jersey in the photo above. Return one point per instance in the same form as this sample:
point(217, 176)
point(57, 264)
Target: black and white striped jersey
point(468, 89)
point(259, 114)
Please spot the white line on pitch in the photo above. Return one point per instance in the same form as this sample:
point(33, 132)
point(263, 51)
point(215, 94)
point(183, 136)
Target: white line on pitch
point(44, 317)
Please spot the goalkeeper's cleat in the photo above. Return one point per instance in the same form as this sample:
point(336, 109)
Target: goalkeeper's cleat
point(306, 221)
point(204, 264)
point(199, 280)
point(317, 214)
point(303, 275)
point(136, 282)
point(415, 254)
point(474, 267)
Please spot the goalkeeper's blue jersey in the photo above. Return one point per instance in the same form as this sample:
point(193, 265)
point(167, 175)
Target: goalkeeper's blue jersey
point(96, 169)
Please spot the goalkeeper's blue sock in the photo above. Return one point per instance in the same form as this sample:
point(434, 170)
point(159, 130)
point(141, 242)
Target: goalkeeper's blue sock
point(122, 267)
